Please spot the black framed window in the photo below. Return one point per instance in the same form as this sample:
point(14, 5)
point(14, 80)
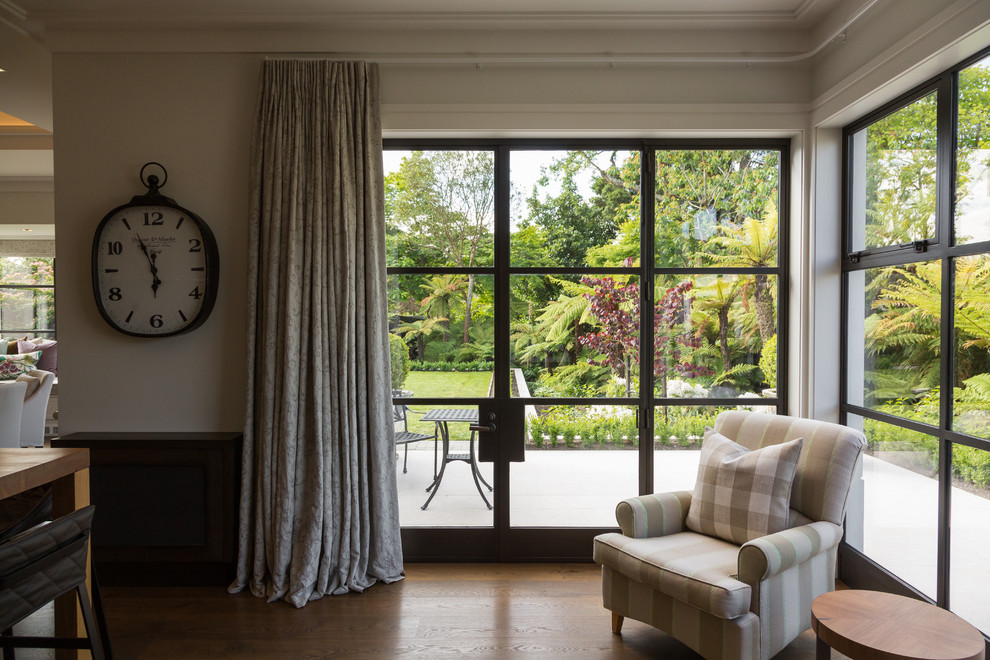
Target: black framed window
point(645, 284)
point(27, 296)
point(916, 345)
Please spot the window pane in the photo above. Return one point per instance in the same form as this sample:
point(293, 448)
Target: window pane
point(717, 208)
point(26, 310)
point(27, 270)
point(447, 325)
point(892, 173)
point(972, 222)
point(893, 518)
point(574, 208)
point(894, 336)
point(677, 435)
point(971, 409)
point(580, 462)
point(575, 336)
point(439, 208)
point(715, 335)
point(969, 580)
point(457, 501)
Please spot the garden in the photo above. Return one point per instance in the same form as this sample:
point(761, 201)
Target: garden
point(714, 291)
point(901, 305)
point(577, 335)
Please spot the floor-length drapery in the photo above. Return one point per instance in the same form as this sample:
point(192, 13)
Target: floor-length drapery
point(319, 506)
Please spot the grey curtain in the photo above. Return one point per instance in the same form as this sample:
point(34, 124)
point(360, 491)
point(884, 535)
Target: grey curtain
point(319, 505)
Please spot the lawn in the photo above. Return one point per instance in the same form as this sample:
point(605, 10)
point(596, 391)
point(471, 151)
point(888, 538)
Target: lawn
point(444, 384)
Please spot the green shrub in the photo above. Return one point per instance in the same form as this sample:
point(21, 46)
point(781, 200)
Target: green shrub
point(418, 365)
point(573, 380)
point(971, 464)
point(557, 425)
point(399, 356)
point(768, 361)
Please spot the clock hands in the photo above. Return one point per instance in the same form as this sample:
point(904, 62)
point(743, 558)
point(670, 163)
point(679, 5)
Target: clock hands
point(154, 268)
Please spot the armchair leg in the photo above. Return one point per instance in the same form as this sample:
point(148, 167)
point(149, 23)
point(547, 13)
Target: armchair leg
point(617, 620)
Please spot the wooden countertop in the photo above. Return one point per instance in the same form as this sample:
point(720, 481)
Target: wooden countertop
point(23, 468)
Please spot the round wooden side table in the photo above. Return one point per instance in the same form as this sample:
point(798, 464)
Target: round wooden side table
point(871, 625)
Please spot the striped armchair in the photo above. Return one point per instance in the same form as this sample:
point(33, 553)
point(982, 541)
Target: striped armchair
point(723, 600)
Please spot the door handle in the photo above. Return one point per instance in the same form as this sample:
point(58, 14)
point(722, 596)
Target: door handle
point(483, 428)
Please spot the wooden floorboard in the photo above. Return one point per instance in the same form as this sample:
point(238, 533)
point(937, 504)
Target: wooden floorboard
point(438, 611)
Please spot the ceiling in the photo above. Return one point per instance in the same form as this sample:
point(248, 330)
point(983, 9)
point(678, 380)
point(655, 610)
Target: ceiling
point(544, 14)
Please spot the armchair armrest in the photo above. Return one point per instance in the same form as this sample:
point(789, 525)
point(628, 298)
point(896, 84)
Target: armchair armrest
point(659, 514)
point(773, 554)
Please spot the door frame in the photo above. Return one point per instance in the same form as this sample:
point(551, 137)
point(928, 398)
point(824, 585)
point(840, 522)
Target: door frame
point(502, 542)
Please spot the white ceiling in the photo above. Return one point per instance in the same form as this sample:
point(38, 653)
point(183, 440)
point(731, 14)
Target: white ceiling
point(798, 14)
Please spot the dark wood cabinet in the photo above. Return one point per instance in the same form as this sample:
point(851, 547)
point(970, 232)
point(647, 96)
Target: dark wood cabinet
point(166, 506)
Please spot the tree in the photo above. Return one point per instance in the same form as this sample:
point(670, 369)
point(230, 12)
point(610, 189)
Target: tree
point(439, 207)
point(674, 345)
point(700, 191)
point(28, 308)
point(900, 175)
point(419, 331)
point(571, 223)
point(444, 292)
point(615, 306)
point(753, 244)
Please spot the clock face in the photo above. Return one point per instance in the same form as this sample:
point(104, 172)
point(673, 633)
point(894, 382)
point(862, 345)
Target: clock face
point(154, 270)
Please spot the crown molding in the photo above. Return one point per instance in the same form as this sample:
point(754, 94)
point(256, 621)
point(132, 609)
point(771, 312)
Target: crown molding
point(75, 16)
point(27, 184)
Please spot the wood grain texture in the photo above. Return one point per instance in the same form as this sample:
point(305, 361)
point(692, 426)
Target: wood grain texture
point(873, 625)
point(24, 468)
point(439, 611)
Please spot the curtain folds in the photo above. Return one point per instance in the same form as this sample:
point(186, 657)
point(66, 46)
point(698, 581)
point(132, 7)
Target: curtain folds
point(319, 505)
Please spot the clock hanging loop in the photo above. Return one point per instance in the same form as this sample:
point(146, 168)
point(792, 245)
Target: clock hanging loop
point(152, 181)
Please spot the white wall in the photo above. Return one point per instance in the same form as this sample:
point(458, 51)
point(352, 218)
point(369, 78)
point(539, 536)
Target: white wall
point(194, 115)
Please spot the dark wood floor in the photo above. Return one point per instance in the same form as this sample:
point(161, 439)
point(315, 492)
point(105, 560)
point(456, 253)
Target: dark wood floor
point(438, 611)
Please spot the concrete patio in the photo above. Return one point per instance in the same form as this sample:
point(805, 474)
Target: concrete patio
point(896, 509)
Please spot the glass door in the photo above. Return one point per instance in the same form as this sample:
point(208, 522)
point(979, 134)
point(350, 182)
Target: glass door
point(567, 318)
point(440, 212)
point(574, 283)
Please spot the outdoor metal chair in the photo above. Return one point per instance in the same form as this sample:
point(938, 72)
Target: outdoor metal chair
point(41, 564)
point(405, 436)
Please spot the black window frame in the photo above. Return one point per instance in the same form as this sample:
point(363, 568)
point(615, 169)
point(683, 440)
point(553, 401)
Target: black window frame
point(32, 332)
point(647, 270)
point(940, 248)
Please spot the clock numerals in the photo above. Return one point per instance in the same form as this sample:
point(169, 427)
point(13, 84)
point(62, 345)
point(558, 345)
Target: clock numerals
point(154, 269)
point(153, 218)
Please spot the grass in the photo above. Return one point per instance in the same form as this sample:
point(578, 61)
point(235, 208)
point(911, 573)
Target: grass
point(441, 384)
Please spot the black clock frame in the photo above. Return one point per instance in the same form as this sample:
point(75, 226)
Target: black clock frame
point(154, 198)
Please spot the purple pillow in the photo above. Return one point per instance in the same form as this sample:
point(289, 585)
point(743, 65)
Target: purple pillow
point(49, 352)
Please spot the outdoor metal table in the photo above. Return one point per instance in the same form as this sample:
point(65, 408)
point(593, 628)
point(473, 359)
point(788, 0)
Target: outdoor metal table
point(443, 416)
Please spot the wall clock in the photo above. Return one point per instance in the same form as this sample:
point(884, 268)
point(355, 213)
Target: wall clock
point(156, 265)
